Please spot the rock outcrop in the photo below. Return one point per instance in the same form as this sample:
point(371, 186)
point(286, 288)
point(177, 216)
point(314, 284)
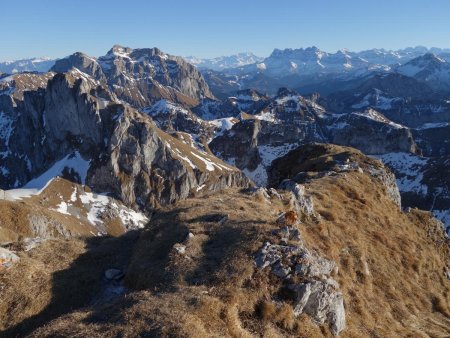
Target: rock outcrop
point(317, 294)
point(311, 161)
point(370, 132)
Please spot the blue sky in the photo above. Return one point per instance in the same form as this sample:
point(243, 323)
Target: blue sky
point(56, 28)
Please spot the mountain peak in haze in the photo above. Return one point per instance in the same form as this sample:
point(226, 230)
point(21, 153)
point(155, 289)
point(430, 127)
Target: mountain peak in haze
point(224, 62)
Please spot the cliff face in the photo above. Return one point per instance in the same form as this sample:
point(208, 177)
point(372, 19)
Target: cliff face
point(126, 153)
point(141, 76)
point(147, 167)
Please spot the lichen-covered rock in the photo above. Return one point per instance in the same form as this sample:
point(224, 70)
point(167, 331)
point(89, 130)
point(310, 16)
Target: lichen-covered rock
point(318, 294)
point(308, 275)
point(322, 301)
point(299, 200)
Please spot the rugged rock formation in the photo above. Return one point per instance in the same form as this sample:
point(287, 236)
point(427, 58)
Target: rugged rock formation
point(172, 117)
point(148, 168)
point(246, 101)
point(400, 98)
point(142, 76)
point(423, 182)
point(251, 145)
point(430, 69)
point(289, 120)
point(370, 132)
point(83, 63)
point(129, 156)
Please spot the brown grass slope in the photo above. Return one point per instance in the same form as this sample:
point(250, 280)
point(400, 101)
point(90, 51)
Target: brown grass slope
point(391, 271)
point(15, 222)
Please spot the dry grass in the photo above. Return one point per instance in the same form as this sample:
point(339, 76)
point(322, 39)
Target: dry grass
point(391, 270)
point(15, 222)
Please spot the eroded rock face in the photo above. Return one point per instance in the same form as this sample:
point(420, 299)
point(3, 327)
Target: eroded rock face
point(142, 76)
point(317, 294)
point(72, 112)
point(323, 302)
point(172, 117)
point(148, 168)
point(127, 154)
point(82, 62)
point(370, 132)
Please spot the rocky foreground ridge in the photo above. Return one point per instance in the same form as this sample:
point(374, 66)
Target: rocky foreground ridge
point(305, 258)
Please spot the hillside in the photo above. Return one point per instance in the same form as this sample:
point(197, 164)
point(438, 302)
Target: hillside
point(231, 264)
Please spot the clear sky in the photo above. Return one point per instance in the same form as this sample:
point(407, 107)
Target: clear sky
point(56, 28)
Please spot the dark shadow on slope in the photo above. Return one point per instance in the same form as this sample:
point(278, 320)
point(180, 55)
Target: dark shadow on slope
point(146, 257)
point(77, 286)
point(222, 243)
point(149, 267)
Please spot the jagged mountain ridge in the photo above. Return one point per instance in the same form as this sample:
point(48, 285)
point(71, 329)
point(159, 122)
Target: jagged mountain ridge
point(128, 155)
point(311, 69)
point(224, 62)
point(393, 95)
point(141, 76)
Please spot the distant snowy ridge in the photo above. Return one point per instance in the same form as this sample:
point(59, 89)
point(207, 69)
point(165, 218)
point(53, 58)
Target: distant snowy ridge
point(224, 62)
point(27, 65)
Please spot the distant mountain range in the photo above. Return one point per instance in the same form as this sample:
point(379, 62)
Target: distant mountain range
point(26, 65)
point(225, 62)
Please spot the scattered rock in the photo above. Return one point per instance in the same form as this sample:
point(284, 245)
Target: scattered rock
point(274, 194)
point(113, 274)
point(180, 248)
point(262, 194)
point(314, 266)
point(31, 243)
point(318, 294)
point(321, 301)
point(299, 200)
point(223, 220)
point(7, 258)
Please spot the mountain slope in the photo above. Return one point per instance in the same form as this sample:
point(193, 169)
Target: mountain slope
point(141, 76)
point(127, 154)
point(194, 272)
point(430, 69)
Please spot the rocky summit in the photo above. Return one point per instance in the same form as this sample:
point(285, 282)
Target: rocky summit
point(305, 194)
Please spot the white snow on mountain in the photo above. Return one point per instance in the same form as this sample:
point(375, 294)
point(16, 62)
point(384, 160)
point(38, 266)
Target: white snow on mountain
point(26, 65)
point(73, 162)
point(224, 62)
point(429, 68)
point(408, 168)
point(164, 107)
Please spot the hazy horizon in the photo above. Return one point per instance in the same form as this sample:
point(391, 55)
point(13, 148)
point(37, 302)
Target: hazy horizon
point(209, 29)
point(447, 49)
